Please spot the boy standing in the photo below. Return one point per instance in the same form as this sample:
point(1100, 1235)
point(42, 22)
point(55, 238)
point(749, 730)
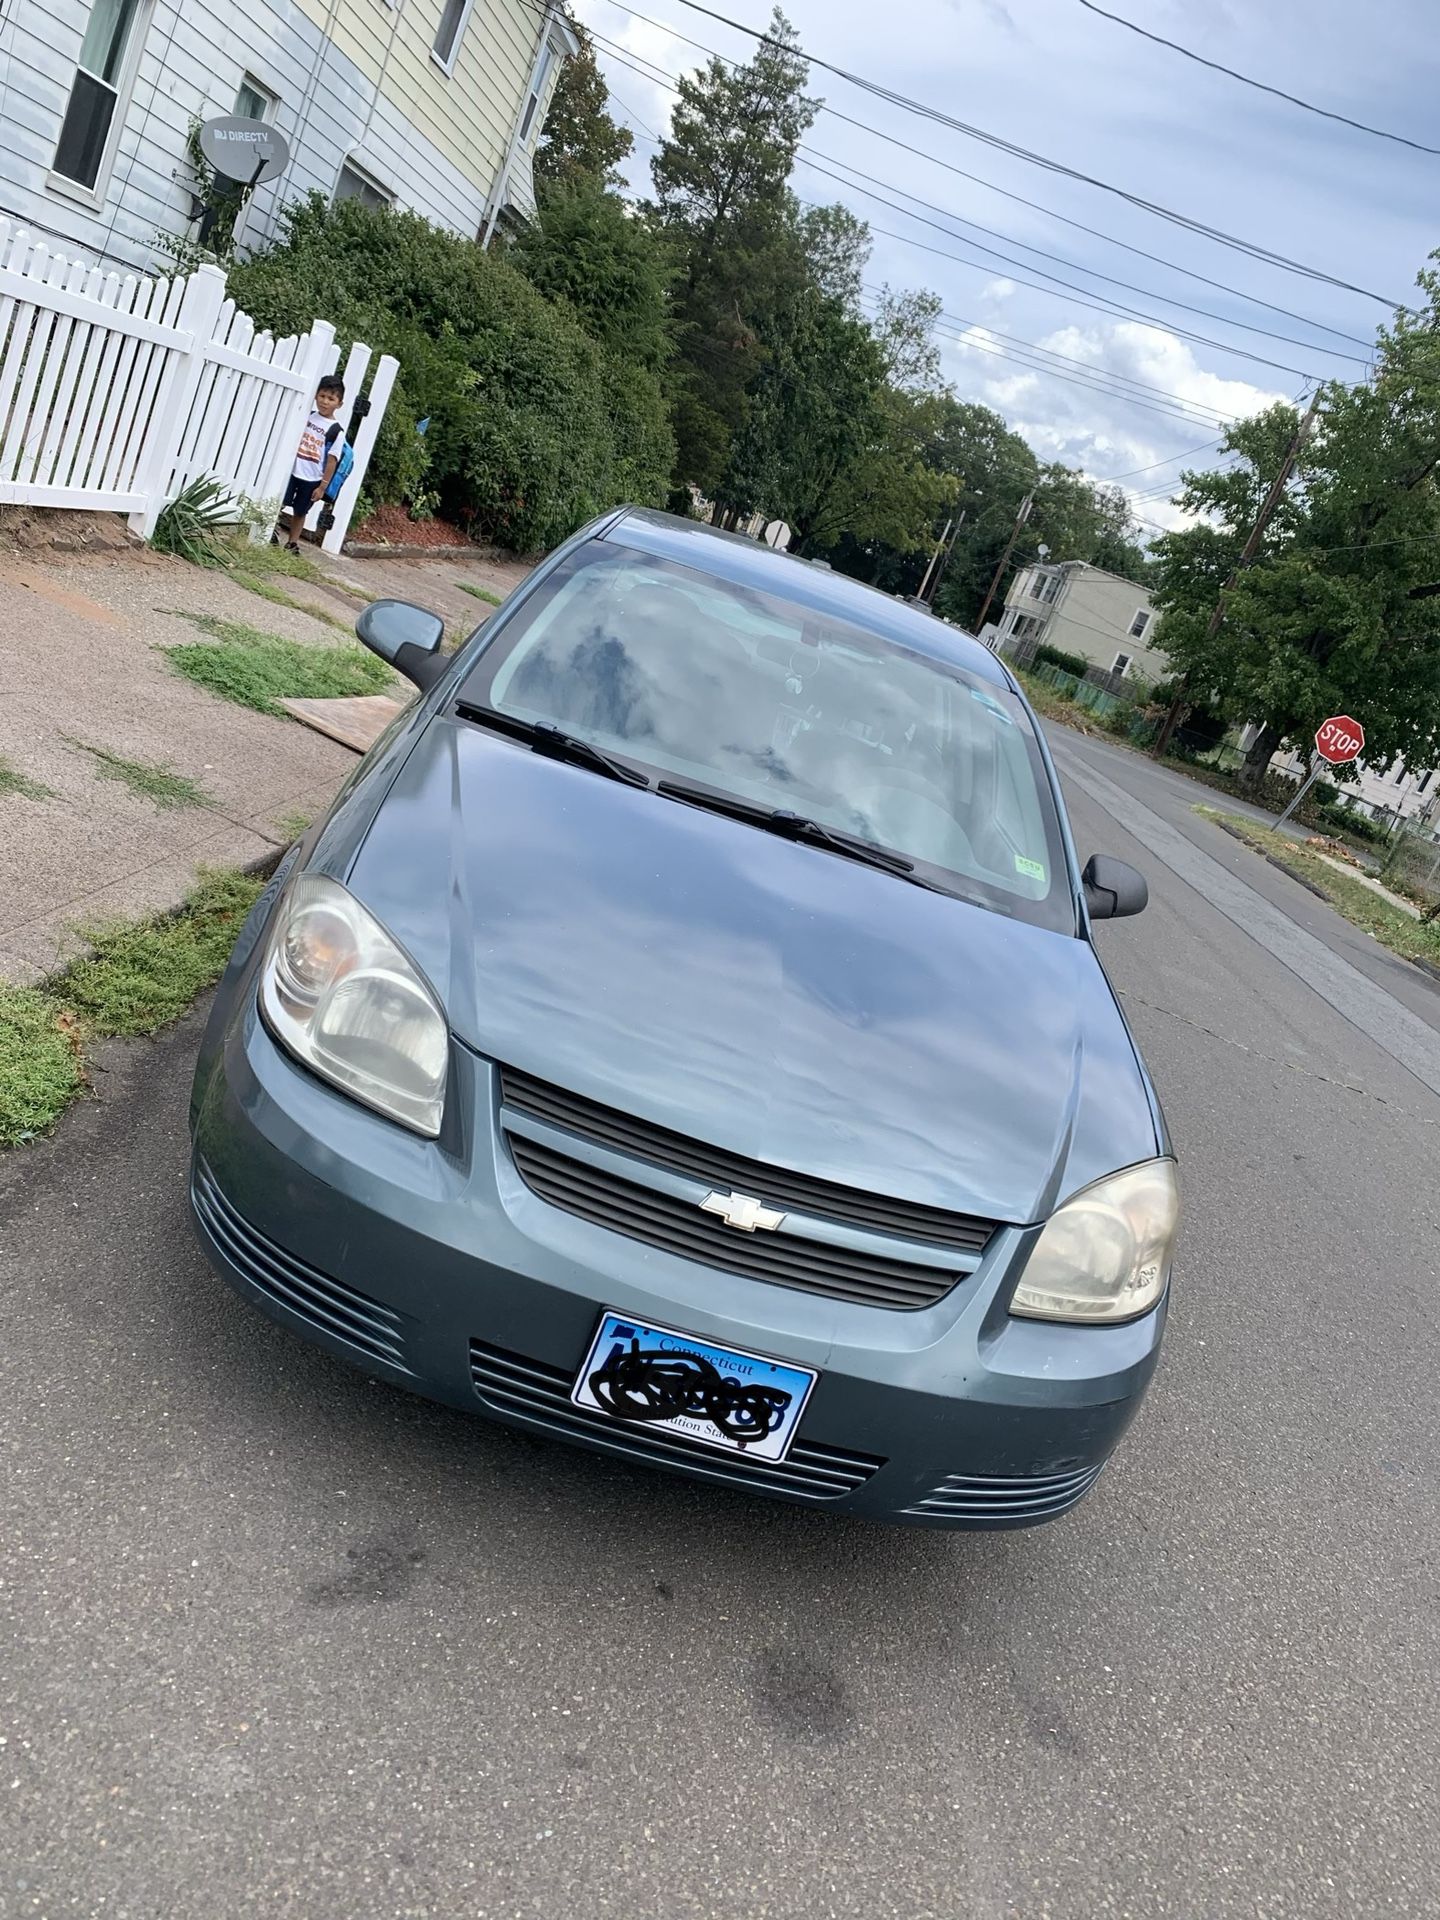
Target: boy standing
point(316, 459)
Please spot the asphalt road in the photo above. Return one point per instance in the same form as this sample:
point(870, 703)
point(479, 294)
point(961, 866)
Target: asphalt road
point(279, 1642)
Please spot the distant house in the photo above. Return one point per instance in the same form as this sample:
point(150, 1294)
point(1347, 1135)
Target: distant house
point(1085, 610)
point(434, 105)
point(1382, 793)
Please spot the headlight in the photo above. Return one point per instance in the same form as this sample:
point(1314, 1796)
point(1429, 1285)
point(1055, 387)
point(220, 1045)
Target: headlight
point(339, 993)
point(1105, 1255)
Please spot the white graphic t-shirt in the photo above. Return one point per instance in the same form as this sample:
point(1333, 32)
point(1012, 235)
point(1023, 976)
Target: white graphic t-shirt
point(313, 453)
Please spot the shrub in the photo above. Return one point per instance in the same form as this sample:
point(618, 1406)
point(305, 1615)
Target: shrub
point(1057, 657)
point(534, 427)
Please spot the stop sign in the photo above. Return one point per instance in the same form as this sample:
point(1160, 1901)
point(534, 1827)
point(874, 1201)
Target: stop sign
point(1340, 739)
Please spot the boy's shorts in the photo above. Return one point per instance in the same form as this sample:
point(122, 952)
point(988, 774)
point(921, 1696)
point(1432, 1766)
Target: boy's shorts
point(299, 496)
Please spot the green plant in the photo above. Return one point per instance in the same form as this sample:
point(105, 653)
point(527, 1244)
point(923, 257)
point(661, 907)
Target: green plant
point(259, 670)
point(278, 597)
point(1049, 656)
point(192, 526)
point(480, 593)
point(40, 1067)
point(13, 781)
point(165, 788)
point(292, 825)
point(137, 975)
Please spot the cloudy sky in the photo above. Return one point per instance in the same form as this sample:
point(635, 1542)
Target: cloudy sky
point(1050, 76)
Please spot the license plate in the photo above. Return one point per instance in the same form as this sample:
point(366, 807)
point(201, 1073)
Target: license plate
point(657, 1378)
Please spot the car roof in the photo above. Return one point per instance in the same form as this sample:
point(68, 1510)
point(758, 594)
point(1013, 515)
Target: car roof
point(750, 563)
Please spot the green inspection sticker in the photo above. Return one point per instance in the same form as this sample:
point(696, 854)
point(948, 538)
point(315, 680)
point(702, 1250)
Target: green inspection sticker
point(1032, 869)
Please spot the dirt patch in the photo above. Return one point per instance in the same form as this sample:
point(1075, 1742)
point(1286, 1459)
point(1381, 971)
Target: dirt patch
point(62, 530)
point(34, 580)
point(393, 527)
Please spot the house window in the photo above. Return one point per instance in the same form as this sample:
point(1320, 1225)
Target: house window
point(537, 91)
point(1139, 624)
point(95, 93)
point(252, 101)
point(1122, 663)
point(1044, 586)
point(355, 184)
point(448, 34)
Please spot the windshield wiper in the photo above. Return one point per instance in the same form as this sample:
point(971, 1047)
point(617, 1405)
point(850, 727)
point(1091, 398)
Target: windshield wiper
point(542, 736)
point(796, 826)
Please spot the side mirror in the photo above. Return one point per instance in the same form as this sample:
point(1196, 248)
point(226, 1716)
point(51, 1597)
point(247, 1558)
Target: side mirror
point(406, 637)
point(1113, 889)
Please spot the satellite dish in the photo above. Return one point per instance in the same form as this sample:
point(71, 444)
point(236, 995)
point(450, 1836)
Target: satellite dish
point(245, 150)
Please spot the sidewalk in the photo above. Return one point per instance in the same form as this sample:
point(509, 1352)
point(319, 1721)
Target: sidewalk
point(81, 667)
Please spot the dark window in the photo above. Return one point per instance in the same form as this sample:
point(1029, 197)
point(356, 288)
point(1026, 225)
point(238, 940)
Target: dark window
point(447, 34)
point(1139, 624)
point(354, 185)
point(95, 94)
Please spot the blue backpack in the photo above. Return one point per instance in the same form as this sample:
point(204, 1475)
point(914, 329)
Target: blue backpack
point(342, 465)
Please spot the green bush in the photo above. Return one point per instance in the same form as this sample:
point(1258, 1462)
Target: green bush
point(534, 426)
point(1067, 662)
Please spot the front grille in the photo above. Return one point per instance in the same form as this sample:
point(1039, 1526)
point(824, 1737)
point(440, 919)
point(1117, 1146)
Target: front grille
point(293, 1283)
point(678, 1226)
point(508, 1383)
point(717, 1167)
point(966, 1496)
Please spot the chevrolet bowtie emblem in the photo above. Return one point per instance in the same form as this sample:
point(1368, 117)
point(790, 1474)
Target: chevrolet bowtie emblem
point(740, 1210)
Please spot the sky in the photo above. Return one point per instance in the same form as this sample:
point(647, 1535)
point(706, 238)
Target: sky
point(1055, 78)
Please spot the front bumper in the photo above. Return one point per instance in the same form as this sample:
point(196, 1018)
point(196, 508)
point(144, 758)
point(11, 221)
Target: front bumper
point(432, 1265)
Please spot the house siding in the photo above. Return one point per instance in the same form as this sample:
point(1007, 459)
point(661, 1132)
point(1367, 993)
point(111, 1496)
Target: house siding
point(1090, 616)
point(353, 80)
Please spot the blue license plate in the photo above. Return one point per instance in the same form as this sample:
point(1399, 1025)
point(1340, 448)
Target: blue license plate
point(657, 1378)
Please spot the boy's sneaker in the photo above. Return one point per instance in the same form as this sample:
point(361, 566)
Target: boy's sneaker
point(292, 546)
point(275, 539)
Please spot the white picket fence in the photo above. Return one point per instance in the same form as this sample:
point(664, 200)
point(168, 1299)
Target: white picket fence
point(116, 392)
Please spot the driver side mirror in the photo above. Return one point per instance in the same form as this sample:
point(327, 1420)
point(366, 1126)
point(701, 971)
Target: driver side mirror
point(406, 637)
point(1113, 889)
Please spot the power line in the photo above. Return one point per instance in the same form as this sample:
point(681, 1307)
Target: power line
point(1260, 86)
point(940, 118)
point(990, 186)
point(1149, 293)
point(1204, 447)
point(1102, 304)
point(1086, 367)
point(1010, 261)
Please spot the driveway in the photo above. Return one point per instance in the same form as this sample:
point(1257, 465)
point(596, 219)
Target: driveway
point(282, 1642)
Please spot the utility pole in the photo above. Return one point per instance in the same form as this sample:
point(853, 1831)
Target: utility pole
point(1021, 517)
point(934, 558)
point(1248, 552)
point(944, 563)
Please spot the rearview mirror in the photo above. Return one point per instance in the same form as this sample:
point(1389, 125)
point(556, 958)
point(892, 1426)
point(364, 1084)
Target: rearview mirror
point(406, 637)
point(1113, 889)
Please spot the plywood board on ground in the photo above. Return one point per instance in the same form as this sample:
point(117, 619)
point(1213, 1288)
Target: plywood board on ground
point(357, 722)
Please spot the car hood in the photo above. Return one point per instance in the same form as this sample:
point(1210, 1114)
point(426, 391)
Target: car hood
point(767, 997)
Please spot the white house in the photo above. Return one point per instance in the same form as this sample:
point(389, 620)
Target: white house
point(434, 105)
point(1085, 610)
point(1383, 793)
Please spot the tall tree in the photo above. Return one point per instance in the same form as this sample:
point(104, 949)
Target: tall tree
point(581, 145)
point(612, 267)
point(720, 192)
point(1340, 609)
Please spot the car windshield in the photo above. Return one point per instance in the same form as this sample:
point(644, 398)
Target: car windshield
point(716, 687)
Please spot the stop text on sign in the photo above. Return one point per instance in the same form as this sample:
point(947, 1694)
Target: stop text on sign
point(1340, 739)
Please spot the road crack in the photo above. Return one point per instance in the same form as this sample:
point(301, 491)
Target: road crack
point(1274, 1060)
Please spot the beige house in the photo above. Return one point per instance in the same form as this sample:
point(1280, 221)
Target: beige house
point(432, 105)
point(1081, 609)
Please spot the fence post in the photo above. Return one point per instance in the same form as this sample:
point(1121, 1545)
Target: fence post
point(354, 378)
point(199, 309)
point(290, 421)
point(386, 369)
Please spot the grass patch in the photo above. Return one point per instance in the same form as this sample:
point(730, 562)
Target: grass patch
point(278, 597)
point(292, 825)
point(480, 593)
point(140, 975)
point(40, 1065)
point(13, 781)
point(1364, 908)
point(259, 670)
point(162, 786)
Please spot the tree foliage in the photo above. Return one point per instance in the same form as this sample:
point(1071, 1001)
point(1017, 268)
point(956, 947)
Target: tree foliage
point(1340, 609)
point(587, 249)
point(582, 145)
